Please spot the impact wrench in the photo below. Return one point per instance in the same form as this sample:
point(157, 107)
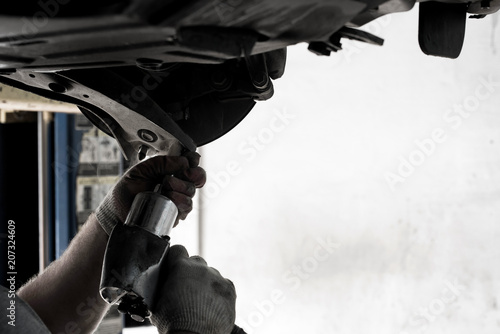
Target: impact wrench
point(130, 275)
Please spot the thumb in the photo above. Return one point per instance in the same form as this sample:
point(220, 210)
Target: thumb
point(176, 253)
point(193, 159)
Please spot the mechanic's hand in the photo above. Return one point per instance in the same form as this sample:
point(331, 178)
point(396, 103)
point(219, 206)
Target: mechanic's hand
point(194, 298)
point(144, 177)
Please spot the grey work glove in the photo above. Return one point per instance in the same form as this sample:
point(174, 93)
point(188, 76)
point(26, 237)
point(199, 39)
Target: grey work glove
point(144, 177)
point(194, 297)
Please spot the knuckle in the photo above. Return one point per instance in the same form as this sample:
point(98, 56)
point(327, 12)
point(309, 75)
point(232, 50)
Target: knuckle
point(190, 189)
point(184, 204)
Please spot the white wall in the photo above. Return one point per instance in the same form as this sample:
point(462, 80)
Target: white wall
point(299, 212)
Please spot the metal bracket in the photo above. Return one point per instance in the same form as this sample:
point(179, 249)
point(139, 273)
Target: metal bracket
point(140, 128)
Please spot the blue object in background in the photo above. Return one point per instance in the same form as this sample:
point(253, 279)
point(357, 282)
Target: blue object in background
point(67, 147)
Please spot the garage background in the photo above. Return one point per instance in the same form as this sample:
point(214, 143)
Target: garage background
point(363, 197)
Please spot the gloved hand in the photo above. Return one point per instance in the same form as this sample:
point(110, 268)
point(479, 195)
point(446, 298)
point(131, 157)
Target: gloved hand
point(144, 177)
point(194, 298)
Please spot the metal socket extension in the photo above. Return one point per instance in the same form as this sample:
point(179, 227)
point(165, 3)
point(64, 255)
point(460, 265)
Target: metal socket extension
point(135, 253)
point(153, 212)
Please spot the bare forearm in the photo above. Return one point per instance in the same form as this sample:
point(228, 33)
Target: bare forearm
point(66, 294)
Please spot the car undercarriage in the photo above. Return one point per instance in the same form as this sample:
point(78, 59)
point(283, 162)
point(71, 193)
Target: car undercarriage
point(166, 76)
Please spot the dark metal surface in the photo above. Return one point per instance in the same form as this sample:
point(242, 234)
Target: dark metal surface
point(131, 269)
point(187, 71)
point(203, 31)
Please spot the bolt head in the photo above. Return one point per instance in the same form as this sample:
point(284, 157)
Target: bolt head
point(147, 135)
point(137, 317)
